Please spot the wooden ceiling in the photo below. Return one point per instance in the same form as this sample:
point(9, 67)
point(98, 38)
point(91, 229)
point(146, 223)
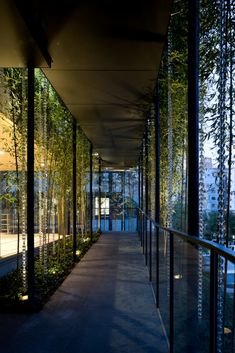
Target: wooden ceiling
point(105, 60)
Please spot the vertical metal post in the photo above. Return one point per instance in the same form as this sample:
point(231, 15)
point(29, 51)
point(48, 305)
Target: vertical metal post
point(146, 241)
point(157, 183)
point(110, 199)
point(123, 201)
point(139, 185)
point(171, 293)
point(146, 192)
point(150, 250)
point(142, 230)
point(193, 123)
point(193, 147)
point(138, 210)
point(30, 187)
point(91, 194)
point(157, 155)
point(213, 301)
point(146, 172)
point(157, 268)
point(74, 189)
point(142, 179)
point(99, 195)
point(142, 196)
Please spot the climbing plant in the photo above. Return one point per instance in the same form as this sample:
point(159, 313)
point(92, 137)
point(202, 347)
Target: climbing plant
point(52, 176)
point(173, 120)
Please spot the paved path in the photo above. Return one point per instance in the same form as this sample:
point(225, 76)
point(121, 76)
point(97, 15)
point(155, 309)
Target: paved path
point(105, 305)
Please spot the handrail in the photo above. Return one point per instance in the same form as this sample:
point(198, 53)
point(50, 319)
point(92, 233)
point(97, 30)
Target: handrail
point(219, 249)
point(215, 278)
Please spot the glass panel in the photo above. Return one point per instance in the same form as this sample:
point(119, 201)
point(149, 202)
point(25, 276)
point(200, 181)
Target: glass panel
point(154, 258)
point(229, 311)
point(173, 91)
point(95, 190)
point(53, 185)
point(147, 245)
point(164, 272)
point(13, 168)
point(131, 220)
point(119, 197)
point(82, 168)
point(191, 316)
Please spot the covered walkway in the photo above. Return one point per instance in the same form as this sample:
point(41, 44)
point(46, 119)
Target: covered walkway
point(105, 305)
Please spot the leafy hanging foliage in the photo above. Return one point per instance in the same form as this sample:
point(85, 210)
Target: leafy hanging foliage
point(53, 169)
point(177, 58)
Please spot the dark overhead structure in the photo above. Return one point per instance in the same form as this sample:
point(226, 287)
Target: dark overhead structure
point(101, 57)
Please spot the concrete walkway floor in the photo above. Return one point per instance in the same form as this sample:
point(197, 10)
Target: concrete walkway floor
point(105, 305)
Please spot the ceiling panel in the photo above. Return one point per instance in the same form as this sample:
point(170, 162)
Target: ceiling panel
point(105, 60)
point(105, 63)
point(18, 46)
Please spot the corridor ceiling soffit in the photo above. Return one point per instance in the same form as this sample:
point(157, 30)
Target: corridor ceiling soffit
point(105, 60)
point(19, 47)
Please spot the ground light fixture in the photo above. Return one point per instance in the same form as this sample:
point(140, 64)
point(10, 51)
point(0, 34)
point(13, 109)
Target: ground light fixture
point(24, 297)
point(178, 276)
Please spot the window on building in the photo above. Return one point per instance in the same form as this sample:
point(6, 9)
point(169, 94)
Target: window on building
point(104, 206)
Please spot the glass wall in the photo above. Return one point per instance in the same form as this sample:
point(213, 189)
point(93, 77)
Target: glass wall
point(53, 182)
point(173, 121)
point(13, 165)
point(217, 158)
point(53, 172)
point(83, 167)
point(119, 200)
point(215, 173)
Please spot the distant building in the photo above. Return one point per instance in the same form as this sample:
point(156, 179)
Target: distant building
point(211, 186)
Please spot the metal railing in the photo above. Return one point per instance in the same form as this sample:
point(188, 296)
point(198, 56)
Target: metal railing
point(194, 284)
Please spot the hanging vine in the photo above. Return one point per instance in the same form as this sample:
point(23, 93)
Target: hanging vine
point(44, 165)
point(42, 141)
point(40, 179)
point(201, 209)
point(23, 182)
point(221, 141)
point(170, 132)
point(231, 123)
